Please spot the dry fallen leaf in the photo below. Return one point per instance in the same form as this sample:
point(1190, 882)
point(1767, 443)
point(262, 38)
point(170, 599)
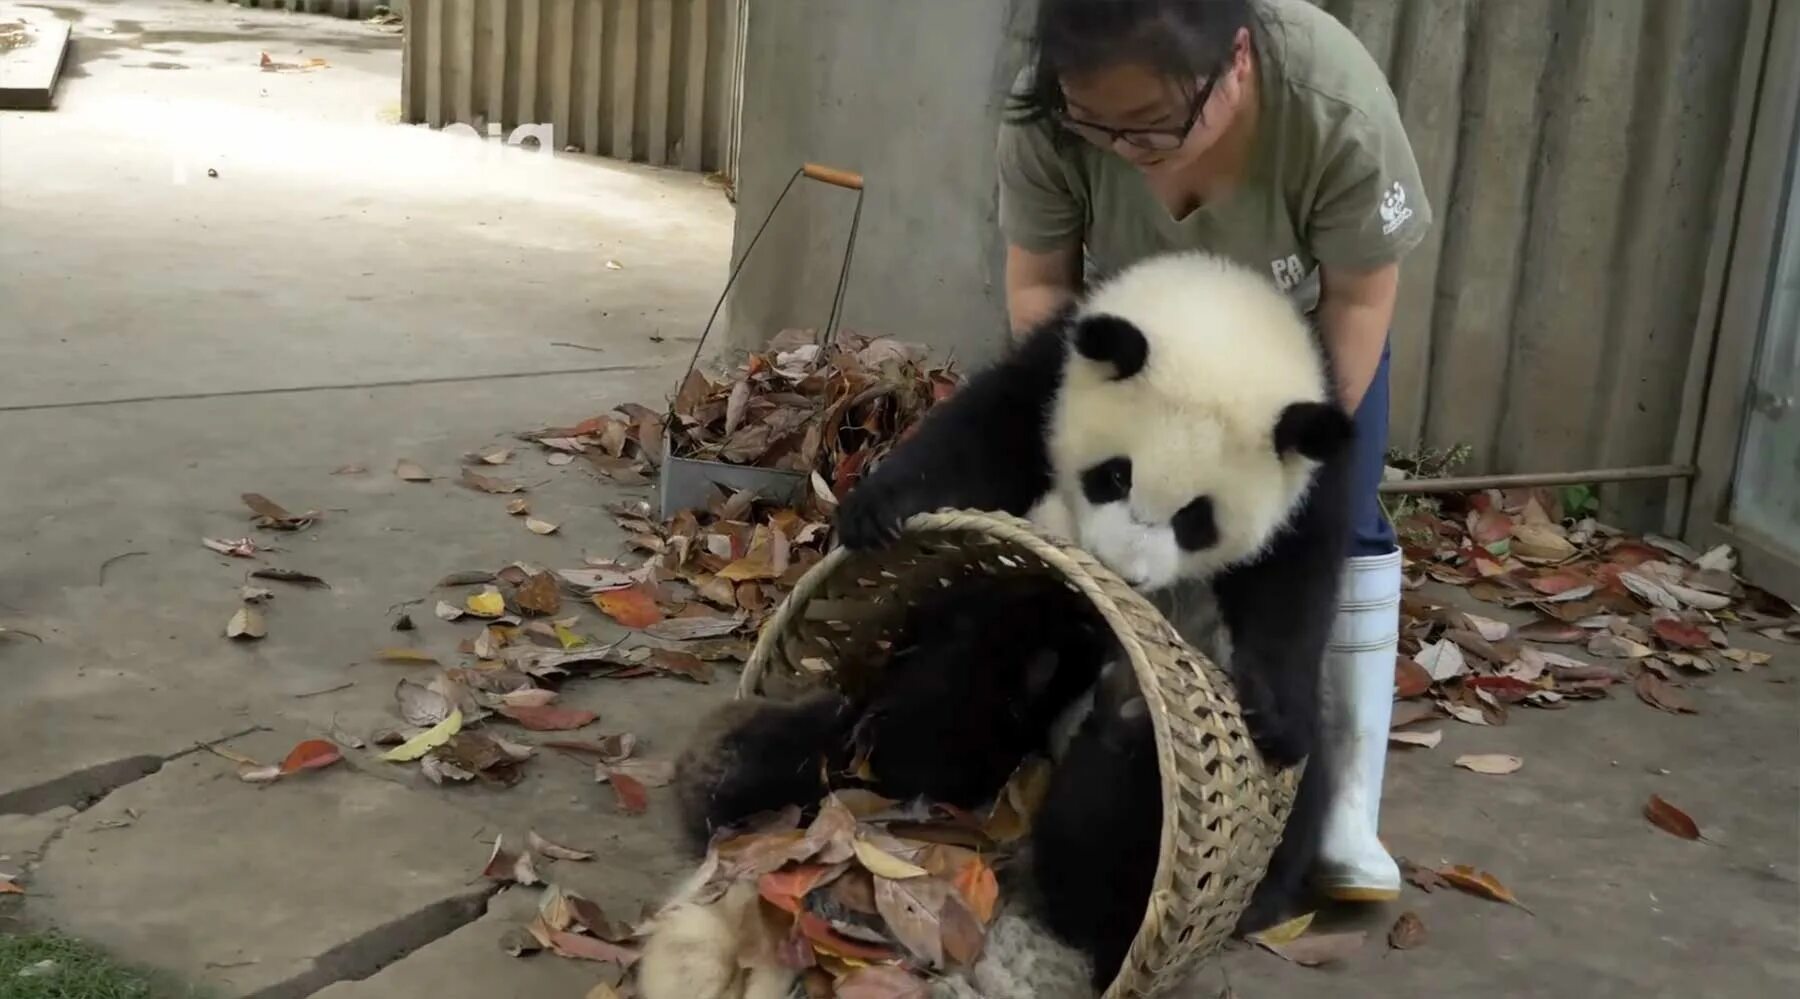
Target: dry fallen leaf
point(633, 606)
point(411, 657)
point(881, 981)
point(539, 844)
point(1286, 932)
point(548, 718)
point(539, 595)
point(528, 697)
point(1408, 932)
point(238, 548)
point(518, 507)
point(473, 577)
point(650, 773)
point(427, 740)
point(1493, 764)
point(1427, 740)
point(1424, 878)
point(291, 576)
point(537, 526)
point(682, 629)
point(633, 799)
point(976, 883)
point(488, 603)
point(1321, 948)
point(272, 514)
point(1657, 692)
point(410, 472)
point(1442, 660)
point(247, 623)
point(350, 469)
point(1670, 819)
point(448, 611)
point(911, 909)
point(490, 484)
point(312, 754)
point(883, 864)
point(1478, 883)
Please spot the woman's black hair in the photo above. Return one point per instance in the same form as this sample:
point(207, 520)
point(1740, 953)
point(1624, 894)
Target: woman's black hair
point(1185, 40)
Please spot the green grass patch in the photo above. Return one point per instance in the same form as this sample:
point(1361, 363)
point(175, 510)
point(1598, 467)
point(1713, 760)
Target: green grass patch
point(75, 970)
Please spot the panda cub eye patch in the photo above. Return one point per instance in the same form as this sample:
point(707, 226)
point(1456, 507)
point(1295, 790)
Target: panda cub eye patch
point(1107, 482)
point(1195, 527)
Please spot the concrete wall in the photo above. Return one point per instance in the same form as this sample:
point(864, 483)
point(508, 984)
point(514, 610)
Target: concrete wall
point(650, 80)
point(1572, 147)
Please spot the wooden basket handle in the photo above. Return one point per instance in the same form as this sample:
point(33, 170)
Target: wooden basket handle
point(847, 179)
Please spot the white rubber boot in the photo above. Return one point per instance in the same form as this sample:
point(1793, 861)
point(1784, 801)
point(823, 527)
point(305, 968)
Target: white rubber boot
point(1358, 698)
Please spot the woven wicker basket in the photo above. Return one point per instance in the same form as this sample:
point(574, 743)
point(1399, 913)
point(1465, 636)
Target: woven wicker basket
point(1222, 808)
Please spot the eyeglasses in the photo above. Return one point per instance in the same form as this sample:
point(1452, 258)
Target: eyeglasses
point(1160, 140)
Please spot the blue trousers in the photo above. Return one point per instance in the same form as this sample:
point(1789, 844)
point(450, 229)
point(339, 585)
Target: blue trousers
point(1370, 532)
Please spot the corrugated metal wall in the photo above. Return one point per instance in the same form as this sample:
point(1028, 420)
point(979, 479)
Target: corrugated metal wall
point(1573, 149)
point(650, 80)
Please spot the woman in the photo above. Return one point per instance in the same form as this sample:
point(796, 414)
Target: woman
point(1261, 130)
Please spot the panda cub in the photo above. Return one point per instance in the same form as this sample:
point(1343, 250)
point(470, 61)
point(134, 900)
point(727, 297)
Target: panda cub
point(1180, 425)
point(979, 675)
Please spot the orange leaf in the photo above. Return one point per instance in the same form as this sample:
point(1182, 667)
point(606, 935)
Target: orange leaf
point(9, 888)
point(1410, 679)
point(1670, 819)
point(547, 717)
point(784, 889)
point(978, 887)
point(632, 606)
point(311, 755)
point(1479, 883)
point(633, 799)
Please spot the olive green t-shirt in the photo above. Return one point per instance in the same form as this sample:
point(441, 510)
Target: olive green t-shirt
point(1331, 177)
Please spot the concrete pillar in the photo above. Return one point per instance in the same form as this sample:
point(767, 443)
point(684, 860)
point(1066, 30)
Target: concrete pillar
point(910, 95)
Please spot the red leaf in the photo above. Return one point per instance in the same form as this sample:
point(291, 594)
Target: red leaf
point(1490, 527)
point(633, 799)
point(1670, 819)
point(1552, 632)
point(1504, 688)
point(1558, 582)
point(1410, 679)
point(828, 941)
point(1680, 634)
point(881, 982)
point(547, 717)
point(311, 755)
point(631, 606)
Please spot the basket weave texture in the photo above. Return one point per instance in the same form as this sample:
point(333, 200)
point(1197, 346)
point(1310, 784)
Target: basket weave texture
point(1223, 809)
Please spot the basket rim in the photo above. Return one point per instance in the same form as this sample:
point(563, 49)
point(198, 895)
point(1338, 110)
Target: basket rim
point(1147, 667)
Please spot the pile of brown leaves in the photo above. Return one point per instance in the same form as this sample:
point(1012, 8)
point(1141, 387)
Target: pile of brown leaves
point(1647, 612)
point(803, 407)
point(874, 896)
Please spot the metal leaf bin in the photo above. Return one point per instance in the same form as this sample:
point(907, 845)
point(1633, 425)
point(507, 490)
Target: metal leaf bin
point(1223, 809)
point(685, 483)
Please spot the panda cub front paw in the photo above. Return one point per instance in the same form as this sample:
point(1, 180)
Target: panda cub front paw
point(871, 516)
point(1283, 738)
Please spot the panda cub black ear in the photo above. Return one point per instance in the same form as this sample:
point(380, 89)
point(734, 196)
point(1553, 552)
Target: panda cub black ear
point(1114, 341)
point(1316, 430)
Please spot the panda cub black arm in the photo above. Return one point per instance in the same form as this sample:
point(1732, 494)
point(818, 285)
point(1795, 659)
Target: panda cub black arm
point(983, 448)
point(1279, 611)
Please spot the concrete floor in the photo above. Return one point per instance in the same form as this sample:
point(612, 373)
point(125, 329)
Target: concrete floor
point(348, 290)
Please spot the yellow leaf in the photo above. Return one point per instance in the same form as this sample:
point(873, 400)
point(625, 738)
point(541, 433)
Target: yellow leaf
point(487, 603)
point(568, 638)
point(406, 656)
point(1282, 933)
point(603, 991)
point(884, 864)
point(427, 740)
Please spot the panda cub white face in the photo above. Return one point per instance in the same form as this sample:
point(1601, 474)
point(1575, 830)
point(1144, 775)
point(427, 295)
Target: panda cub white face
point(1192, 400)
